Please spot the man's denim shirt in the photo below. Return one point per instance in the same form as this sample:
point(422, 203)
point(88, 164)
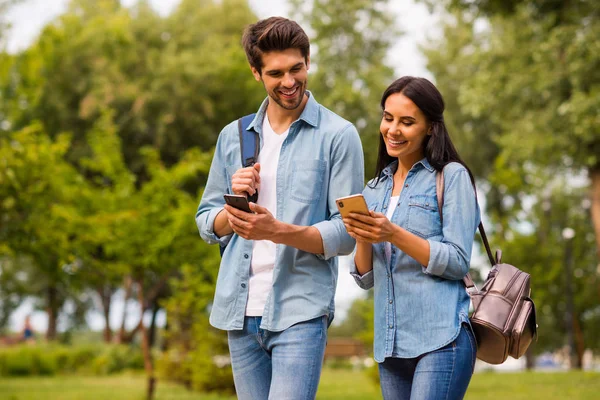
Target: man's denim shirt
point(321, 159)
point(420, 308)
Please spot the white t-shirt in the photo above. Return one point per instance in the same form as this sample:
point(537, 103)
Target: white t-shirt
point(263, 251)
point(390, 212)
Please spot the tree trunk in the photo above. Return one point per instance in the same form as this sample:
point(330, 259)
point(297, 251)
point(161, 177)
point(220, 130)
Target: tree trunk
point(529, 359)
point(152, 336)
point(595, 207)
point(128, 336)
point(122, 332)
point(105, 293)
point(146, 345)
point(52, 311)
point(579, 343)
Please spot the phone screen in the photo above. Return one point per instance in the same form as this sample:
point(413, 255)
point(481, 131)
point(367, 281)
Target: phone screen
point(238, 201)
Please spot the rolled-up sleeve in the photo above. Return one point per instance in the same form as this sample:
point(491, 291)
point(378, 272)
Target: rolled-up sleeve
point(365, 281)
point(451, 257)
point(212, 199)
point(346, 177)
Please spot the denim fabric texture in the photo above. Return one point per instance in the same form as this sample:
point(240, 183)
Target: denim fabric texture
point(278, 365)
point(443, 374)
point(420, 308)
point(321, 159)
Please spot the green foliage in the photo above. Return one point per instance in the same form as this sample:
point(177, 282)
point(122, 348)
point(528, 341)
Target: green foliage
point(39, 193)
point(170, 82)
point(27, 360)
point(197, 354)
point(114, 359)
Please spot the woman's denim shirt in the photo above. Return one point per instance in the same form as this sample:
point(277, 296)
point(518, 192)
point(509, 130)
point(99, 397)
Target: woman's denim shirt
point(419, 308)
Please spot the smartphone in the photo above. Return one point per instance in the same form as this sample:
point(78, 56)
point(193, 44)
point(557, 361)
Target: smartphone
point(238, 201)
point(354, 203)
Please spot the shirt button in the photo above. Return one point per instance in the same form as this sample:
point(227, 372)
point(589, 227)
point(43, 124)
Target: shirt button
point(243, 285)
point(388, 275)
point(391, 301)
point(406, 185)
point(246, 255)
point(391, 326)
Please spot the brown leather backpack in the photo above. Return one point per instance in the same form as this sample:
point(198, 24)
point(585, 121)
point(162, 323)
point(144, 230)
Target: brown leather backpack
point(503, 317)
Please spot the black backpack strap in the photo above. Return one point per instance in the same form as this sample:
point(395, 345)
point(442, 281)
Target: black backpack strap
point(249, 142)
point(249, 146)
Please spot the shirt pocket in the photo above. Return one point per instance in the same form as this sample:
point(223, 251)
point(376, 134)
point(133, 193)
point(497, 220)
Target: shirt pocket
point(307, 180)
point(423, 216)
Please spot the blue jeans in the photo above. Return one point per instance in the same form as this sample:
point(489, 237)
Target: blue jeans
point(442, 374)
point(282, 365)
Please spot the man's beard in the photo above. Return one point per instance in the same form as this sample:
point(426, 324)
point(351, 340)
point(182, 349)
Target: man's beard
point(297, 101)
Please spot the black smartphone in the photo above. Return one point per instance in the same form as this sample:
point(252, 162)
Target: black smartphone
point(238, 201)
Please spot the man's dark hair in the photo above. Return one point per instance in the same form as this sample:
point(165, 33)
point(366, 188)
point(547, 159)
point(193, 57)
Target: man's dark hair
point(273, 34)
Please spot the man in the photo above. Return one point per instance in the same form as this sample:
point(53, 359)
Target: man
point(278, 273)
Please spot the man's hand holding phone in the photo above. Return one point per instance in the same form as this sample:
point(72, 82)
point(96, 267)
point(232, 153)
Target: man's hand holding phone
point(255, 224)
point(238, 201)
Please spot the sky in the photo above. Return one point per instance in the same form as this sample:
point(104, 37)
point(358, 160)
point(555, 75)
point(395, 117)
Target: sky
point(414, 20)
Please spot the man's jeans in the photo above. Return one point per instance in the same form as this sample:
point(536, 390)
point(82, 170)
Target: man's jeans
point(282, 365)
point(442, 374)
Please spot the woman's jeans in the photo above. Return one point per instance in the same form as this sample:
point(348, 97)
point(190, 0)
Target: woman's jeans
point(442, 374)
point(282, 365)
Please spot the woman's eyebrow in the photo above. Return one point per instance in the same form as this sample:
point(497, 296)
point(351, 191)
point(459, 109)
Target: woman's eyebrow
point(401, 117)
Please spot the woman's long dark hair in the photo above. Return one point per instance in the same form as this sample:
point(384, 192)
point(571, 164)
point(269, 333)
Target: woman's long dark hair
point(438, 147)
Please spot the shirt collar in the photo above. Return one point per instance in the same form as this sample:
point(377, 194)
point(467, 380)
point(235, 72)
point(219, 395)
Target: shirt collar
point(310, 114)
point(388, 171)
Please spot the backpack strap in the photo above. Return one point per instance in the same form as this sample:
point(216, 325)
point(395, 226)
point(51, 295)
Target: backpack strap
point(249, 147)
point(439, 190)
point(249, 142)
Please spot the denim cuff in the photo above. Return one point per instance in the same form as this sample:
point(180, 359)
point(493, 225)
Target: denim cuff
point(438, 258)
point(364, 281)
point(208, 233)
point(330, 237)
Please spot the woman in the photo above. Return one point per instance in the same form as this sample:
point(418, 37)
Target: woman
point(423, 341)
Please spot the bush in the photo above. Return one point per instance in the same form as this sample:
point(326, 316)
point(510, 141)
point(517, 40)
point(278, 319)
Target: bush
point(55, 359)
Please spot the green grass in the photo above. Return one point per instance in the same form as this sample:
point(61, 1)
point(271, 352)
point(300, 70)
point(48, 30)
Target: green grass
point(535, 385)
point(335, 384)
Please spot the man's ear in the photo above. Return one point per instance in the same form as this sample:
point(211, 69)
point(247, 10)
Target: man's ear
point(307, 63)
point(256, 74)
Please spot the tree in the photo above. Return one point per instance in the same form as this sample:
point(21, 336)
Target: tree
point(533, 73)
point(350, 40)
point(38, 189)
point(172, 82)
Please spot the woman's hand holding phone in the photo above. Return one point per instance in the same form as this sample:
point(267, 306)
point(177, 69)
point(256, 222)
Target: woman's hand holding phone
point(364, 225)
